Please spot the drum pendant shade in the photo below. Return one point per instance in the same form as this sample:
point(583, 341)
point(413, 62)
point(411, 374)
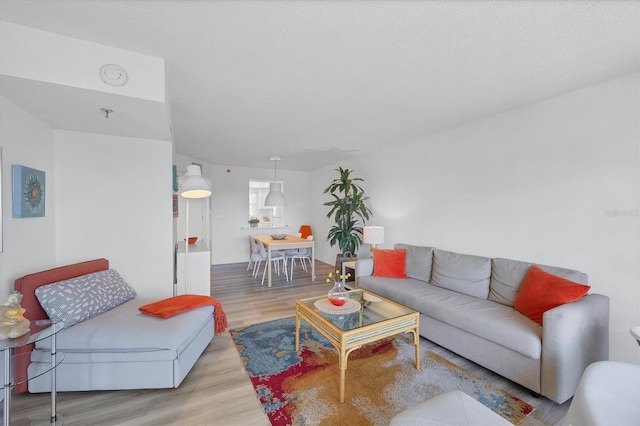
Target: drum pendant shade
point(194, 185)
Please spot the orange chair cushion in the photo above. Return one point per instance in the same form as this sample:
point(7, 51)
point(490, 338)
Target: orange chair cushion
point(305, 231)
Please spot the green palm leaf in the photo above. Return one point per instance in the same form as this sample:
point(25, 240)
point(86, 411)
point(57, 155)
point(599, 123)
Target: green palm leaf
point(348, 209)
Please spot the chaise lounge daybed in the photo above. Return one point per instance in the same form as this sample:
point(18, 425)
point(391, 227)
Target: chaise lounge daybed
point(120, 348)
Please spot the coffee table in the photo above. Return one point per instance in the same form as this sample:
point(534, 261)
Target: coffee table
point(375, 319)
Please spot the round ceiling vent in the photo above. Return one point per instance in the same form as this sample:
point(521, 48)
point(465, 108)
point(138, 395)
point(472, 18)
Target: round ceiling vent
point(113, 75)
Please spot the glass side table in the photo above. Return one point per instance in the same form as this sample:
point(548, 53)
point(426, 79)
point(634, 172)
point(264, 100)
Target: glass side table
point(40, 330)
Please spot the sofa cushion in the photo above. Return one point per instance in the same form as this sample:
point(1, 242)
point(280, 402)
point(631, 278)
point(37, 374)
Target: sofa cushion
point(419, 260)
point(78, 299)
point(492, 321)
point(463, 273)
point(541, 291)
point(402, 291)
point(126, 329)
point(389, 263)
point(507, 276)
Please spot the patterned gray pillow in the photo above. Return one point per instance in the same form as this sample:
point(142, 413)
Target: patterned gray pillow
point(78, 299)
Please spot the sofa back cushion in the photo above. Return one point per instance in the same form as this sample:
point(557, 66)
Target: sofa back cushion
point(463, 273)
point(507, 276)
point(418, 261)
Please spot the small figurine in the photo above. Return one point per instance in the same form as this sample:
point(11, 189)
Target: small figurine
point(12, 321)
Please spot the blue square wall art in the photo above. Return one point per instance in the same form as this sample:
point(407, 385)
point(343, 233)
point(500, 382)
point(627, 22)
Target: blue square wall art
point(28, 192)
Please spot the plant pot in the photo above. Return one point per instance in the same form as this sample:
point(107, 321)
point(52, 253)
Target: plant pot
point(253, 225)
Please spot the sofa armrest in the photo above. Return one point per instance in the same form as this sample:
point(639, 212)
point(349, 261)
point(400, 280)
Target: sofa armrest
point(574, 335)
point(364, 268)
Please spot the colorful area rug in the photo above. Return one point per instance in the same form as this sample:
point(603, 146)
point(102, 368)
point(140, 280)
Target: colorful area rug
point(381, 380)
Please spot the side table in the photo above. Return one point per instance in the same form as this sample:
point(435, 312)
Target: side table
point(351, 265)
point(40, 330)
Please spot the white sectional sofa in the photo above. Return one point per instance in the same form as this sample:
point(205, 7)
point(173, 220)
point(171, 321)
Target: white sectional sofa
point(466, 305)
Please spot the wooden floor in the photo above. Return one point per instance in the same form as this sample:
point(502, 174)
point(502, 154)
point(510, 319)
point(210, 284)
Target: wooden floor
point(217, 391)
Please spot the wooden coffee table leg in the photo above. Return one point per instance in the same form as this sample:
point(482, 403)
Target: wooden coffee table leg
point(416, 343)
point(343, 370)
point(297, 333)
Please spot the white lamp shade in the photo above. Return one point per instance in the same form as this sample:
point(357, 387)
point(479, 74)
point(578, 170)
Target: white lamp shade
point(373, 235)
point(275, 197)
point(194, 185)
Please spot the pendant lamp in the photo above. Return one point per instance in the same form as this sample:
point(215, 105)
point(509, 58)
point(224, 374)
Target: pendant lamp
point(275, 197)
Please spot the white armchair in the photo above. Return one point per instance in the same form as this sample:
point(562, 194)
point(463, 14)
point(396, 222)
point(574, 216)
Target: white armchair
point(608, 394)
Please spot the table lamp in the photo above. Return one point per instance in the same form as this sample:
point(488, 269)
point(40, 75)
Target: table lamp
point(373, 235)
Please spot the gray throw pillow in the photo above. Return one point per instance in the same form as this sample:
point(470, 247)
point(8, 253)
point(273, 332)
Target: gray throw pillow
point(78, 299)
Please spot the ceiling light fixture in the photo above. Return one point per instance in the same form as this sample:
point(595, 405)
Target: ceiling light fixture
point(275, 197)
point(114, 75)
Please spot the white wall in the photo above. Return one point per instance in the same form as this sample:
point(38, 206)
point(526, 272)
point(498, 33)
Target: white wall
point(230, 207)
point(114, 200)
point(29, 243)
point(556, 182)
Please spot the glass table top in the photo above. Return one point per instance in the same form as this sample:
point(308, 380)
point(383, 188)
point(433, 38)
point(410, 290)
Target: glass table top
point(39, 330)
point(372, 309)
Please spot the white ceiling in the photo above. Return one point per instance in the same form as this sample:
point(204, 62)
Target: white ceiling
point(320, 81)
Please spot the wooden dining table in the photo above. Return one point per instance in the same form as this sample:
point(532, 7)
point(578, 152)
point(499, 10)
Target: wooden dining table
point(290, 242)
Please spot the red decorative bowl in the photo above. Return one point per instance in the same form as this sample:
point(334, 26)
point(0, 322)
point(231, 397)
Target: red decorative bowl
point(337, 301)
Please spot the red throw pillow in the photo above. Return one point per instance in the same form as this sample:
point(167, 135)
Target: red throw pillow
point(389, 263)
point(541, 291)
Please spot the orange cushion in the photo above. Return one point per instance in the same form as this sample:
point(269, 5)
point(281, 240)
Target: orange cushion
point(305, 231)
point(389, 263)
point(541, 291)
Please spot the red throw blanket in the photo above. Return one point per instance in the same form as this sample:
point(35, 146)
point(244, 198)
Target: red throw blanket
point(172, 306)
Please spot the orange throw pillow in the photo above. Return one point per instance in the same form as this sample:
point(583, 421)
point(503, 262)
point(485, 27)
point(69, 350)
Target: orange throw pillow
point(389, 263)
point(541, 291)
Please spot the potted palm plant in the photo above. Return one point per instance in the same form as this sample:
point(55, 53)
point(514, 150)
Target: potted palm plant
point(347, 208)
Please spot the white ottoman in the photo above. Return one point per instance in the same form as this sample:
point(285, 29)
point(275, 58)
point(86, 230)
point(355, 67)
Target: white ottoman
point(451, 408)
